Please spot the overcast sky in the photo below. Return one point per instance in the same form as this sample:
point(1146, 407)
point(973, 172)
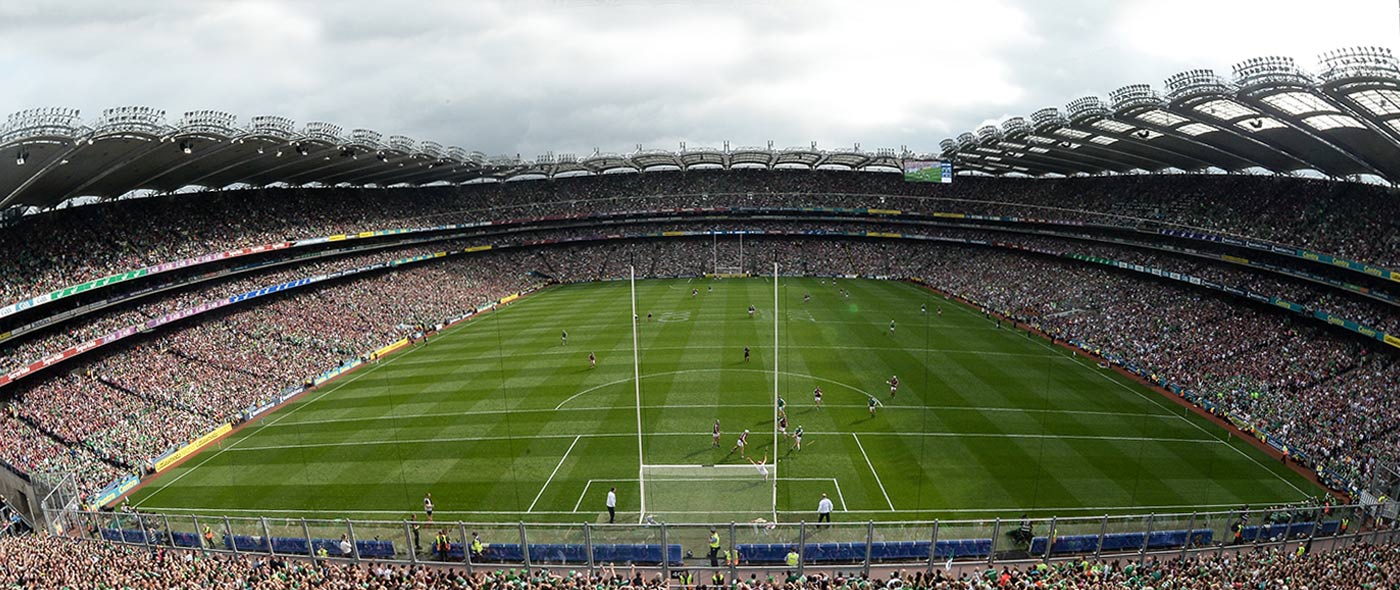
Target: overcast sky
point(530, 76)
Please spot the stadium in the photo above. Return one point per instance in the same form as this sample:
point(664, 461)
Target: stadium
point(1151, 337)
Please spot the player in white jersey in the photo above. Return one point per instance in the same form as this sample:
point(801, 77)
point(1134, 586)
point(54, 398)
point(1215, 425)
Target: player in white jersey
point(762, 466)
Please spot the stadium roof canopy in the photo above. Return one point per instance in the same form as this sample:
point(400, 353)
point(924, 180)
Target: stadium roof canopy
point(1343, 122)
point(49, 156)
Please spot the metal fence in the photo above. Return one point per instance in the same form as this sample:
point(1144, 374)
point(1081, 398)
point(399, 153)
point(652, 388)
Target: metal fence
point(666, 547)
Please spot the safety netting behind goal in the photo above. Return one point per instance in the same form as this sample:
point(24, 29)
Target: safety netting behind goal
point(705, 493)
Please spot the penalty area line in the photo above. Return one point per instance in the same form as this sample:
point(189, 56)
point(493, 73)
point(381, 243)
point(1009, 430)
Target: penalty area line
point(552, 474)
point(873, 472)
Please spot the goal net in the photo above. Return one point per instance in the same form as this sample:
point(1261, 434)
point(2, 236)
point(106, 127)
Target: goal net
point(704, 493)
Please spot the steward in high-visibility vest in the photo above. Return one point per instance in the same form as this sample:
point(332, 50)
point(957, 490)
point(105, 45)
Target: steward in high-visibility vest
point(717, 580)
point(793, 557)
point(731, 557)
point(714, 548)
point(477, 546)
point(686, 578)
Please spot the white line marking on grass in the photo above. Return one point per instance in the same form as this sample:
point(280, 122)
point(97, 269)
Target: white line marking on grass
point(1155, 398)
point(551, 474)
point(1049, 436)
point(582, 494)
point(187, 472)
point(1016, 509)
point(872, 471)
point(440, 440)
point(247, 436)
point(590, 483)
point(705, 435)
point(277, 419)
point(1156, 415)
point(690, 371)
point(337, 386)
point(553, 351)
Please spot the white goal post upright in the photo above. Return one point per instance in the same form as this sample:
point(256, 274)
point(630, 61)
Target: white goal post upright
point(775, 391)
point(637, 380)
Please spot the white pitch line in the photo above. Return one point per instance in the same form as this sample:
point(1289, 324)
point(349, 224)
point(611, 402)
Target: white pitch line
point(1015, 509)
point(551, 474)
point(336, 387)
point(839, 495)
point(1156, 415)
point(553, 350)
point(704, 435)
point(1036, 436)
point(265, 425)
point(872, 471)
point(442, 440)
point(1154, 398)
point(691, 371)
point(582, 494)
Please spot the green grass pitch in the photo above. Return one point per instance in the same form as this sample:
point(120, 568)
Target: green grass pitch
point(503, 423)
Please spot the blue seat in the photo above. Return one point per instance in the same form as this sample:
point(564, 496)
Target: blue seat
point(762, 553)
point(182, 539)
point(247, 543)
point(375, 549)
point(291, 545)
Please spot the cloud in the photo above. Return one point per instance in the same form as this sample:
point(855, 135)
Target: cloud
point(531, 76)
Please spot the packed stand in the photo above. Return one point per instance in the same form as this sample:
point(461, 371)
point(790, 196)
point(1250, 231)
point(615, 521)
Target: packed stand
point(115, 413)
point(34, 562)
point(1345, 219)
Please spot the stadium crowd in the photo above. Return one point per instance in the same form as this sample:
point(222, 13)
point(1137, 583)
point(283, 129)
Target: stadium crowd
point(33, 562)
point(113, 414)
point(1345, 219)
point(1326, 393)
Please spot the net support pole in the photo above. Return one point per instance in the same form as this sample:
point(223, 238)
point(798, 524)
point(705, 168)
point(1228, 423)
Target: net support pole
point(637, 381)
point(775, 391)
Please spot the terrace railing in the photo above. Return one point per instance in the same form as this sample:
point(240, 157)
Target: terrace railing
point(667, 547)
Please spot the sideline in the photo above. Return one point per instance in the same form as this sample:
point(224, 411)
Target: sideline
point(336, 382)
point(1230, 428)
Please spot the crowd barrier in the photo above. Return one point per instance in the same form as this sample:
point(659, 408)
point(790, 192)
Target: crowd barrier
point(667, 546)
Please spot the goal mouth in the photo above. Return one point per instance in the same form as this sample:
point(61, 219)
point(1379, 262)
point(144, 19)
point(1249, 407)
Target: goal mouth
point(700, 490)
point(703, 471)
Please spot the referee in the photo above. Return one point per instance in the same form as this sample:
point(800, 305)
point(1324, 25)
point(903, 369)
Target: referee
point(824, 510)
point(612, 504)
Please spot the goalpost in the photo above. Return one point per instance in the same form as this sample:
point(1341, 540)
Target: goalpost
point(637, 380)
point(775, 391)
point(731, 479)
